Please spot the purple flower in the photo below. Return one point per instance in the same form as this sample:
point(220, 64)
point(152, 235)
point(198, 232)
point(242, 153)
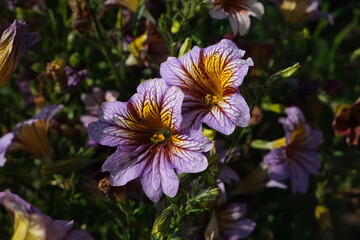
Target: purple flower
point(228, 223)
point(74, 78)
point(94, 100)
point(295, 11)
point(31, 136)
point(30, 223)
point(210, 78)
point(13, 44)
point(150, 142)
point(65, 78)
point(295, 156)
point(238, 12)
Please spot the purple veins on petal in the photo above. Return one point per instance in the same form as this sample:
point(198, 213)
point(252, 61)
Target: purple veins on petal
point(209, 79)
point(150, 142)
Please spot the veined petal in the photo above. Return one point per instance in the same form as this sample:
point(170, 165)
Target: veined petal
point(105, 133)
point(210, 78)
point(192, 141)
point(187, 161)
point(151, 179)
point(13, 44)
point(169, 179)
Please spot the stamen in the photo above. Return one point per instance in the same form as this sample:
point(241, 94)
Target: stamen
point(157, 138)
point(211, 100)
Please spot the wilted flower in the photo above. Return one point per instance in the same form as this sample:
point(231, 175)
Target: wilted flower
point(228, 223)
point(150, 142)
point(93, 102)
point(30, 223)
point(295, 11)
point(81, 20)
point(347, 122)
point(295, 156)
point(210, 78)
point(238, 12)
point(13, 44)
point(64, 76)
point(31, 136)
point(148, 48)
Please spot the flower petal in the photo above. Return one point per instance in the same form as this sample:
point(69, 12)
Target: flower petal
point(5, 142)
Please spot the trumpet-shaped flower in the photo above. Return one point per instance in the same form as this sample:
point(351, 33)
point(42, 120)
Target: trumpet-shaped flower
point(295, 156)
point(210, 78)
point(31, 136)
point(13, 44)
point(229, 223)
point(30, 223)
point(238, 12)
point(149, 139)
point(295, 11)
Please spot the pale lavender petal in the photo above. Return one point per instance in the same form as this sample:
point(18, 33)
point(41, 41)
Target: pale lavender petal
point(219, 121)
point(151, 181)
point(187, 161)
point(106, 134)
point(87, 119)
point(217, 13)
point(5, 142)
point(169, 179)
point(48, 112)
point(295, 119)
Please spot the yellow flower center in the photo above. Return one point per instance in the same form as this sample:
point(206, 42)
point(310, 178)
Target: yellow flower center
point(211, 100)
point(157, 138)
point(162, 136)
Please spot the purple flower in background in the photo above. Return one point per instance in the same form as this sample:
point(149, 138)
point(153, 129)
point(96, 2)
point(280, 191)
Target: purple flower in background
point(92, 104)
point(74, 78)
point(238, 12)
point(31, 136)
point(13, 44)
point(64, 77)
point(295, 11)
point(228, 223)
point(30, 223)
point(295, 156)
point(150, 142)
point(210, 78)
point(94, 100)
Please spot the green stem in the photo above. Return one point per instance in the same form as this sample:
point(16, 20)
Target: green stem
point(105, 50)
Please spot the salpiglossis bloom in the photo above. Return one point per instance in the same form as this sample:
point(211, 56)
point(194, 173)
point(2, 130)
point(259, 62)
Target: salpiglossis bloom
point(229, 223)
point(150, 142)
point(31, 136)
point(295, 156)
point(30, 223)
point(210, 78)
point(238, 12)
point(13, 44)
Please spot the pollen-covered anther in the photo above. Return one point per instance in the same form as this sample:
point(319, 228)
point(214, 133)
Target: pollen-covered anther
point(211, 100)
point(158, 138)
